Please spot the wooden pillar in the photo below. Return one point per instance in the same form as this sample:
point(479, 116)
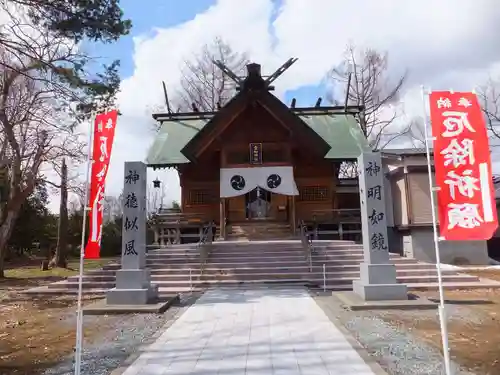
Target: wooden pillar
point(177, 235)
point(223, 218)
point(156, 230)
point(294, 220)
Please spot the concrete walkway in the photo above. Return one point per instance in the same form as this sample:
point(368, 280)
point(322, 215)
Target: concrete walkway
point(259, 331)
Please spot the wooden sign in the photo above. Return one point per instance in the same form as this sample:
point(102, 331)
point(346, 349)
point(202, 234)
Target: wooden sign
point(255, 153)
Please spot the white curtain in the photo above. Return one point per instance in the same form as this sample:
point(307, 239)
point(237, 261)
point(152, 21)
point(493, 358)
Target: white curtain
point(239, 181)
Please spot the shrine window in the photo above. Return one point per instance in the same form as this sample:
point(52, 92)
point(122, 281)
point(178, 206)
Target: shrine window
point(314, 194)
point(202, 197)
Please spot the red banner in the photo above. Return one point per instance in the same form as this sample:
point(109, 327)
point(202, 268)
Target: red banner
point(466, 201)
point(104, 132)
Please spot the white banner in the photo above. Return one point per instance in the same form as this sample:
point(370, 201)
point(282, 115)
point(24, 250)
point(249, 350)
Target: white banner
point(239, 181)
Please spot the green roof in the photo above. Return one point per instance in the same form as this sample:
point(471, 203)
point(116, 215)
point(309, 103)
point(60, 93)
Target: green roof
point(340, 131)
point(172, 137)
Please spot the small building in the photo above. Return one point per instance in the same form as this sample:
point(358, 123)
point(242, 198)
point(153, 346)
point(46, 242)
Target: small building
point(494, 242)
point(259, 160)
point(410, 227)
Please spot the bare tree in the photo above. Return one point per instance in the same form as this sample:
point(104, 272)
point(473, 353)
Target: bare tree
point(489, 96)
point(37, 138)
point(156, 197)
point(112, 207)
point(415, 132)
point(204, 84)
point(42, 94)
point(59, 259)
point(365, 71)
point(371, 88)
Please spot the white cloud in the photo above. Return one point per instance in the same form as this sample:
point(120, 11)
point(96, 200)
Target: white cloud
point(445, 44)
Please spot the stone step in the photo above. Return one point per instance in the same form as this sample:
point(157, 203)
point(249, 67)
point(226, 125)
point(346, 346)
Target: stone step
point(267, 274)
point(247, 257)
point(265, 266)
point(270, 230)
point(273, 262)
point(280, 250)
point(282, 256)
point(286, 243)
point(259, 224)
point(44, 291)
point(306, 278)
point(261, 236)
point(258, 262)
point(251, 252)
point(426, 286)
point(423, 286)
point(254, 252)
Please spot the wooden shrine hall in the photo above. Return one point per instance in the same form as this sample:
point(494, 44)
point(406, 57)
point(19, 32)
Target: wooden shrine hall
point(259, 160)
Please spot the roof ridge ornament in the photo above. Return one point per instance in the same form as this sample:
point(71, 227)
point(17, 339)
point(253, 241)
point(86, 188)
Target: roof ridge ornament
point(254, 79)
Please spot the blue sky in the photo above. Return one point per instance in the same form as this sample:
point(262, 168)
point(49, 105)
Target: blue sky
point(440, 55)
point(146, 15)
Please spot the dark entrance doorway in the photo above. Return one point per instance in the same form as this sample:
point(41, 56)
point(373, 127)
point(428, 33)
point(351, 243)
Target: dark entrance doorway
point(258, 204)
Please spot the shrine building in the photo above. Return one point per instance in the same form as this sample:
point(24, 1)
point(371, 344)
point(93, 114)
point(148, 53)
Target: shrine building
point(258, 162)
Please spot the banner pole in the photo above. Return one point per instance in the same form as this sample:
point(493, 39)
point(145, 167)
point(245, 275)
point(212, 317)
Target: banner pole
point(432, 189)
point(79, 319)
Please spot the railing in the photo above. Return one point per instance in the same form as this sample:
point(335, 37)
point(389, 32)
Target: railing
point(340, 215)
point(307, 245)
point(341, 224)
point(205, 244)
point(176, 228)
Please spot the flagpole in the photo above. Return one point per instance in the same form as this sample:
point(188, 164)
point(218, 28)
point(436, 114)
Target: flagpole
point(79, 319)
point(432, 189)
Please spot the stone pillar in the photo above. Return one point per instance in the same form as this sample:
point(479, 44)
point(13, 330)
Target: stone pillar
point(133, 280)
point(377, 273)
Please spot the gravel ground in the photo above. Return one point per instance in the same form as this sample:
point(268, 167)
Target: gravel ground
point(395, 349)
point(124, 335)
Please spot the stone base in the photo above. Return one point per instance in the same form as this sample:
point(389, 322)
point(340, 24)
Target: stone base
point(380, 292)
point(355, 302)
point(103, 308)
point(144, 296)
point(377, 273)
point(133, 279)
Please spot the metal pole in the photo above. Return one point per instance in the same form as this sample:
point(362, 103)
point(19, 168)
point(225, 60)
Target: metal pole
point(79, 319)
point(432, 189)
point(190, 282)
point(324, 277)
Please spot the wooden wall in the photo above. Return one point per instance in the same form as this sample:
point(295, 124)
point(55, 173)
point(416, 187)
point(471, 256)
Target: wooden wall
point(315, 176)
point(316, 181)
point(200, 187)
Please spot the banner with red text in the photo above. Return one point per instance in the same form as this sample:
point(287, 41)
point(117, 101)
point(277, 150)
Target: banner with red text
point(466, 201)
point(104, 132)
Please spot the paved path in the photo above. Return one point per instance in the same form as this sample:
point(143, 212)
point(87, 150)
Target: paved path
point(260, 331)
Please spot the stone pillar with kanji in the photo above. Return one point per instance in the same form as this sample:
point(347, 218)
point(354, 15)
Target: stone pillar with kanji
point(133, 280)
point(377, 273)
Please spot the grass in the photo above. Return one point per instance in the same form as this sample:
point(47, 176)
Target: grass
point(34, 271)
point(27, 273)
point(35, 333)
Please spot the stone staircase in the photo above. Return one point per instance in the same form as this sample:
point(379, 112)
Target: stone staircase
point(259, 231)
point(177, 269)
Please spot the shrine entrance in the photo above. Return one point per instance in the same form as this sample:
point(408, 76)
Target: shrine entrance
point(258, 204)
